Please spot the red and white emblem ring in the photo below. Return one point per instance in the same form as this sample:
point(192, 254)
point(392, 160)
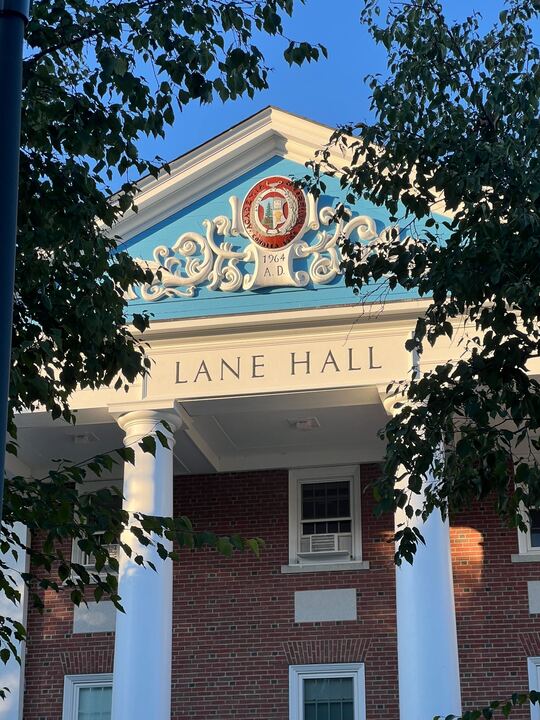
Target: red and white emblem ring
point(274, 212)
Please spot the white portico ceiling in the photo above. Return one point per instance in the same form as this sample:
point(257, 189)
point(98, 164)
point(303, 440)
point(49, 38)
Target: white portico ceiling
point(243, 433)
point(227, 434)
point(43, 443)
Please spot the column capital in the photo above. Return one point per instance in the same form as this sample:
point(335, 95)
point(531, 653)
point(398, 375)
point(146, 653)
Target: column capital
point(393, 403)
point(132, 417)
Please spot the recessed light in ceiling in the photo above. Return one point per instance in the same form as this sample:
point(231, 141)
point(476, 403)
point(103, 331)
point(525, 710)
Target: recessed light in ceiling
point(305, 423)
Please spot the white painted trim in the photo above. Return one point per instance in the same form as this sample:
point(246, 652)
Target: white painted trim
point(72, 686)
point(400, 312)
point(350, 566)
point(530, 558)
point(298, 476)
point(524, 540)
point(298, 673)
point(533, 667)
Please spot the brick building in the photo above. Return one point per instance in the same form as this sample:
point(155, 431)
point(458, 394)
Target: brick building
point(272, 378)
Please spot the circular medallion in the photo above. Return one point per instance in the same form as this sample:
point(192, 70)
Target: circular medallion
point(274, 212)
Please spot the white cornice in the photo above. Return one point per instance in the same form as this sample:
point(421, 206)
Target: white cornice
point(225, 157)
point(397, 313)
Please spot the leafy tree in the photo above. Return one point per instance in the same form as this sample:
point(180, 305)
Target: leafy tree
point(97, 77)
point(457, 123)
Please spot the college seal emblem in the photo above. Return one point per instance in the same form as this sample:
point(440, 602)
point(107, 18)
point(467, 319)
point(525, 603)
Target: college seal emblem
point(274, 212)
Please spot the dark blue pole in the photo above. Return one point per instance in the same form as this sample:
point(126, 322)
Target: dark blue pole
point(13, 18)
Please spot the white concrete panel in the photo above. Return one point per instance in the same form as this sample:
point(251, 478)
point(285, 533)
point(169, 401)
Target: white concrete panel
point(324, 605)
point(533, 589)
point(94, 617)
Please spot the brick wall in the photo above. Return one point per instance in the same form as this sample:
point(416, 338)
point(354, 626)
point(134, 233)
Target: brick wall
point(53, 651)
point(233, 625)
point(496, 633)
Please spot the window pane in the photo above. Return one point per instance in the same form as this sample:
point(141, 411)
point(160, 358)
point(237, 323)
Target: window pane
point(344, 507)
point(328, 698)
point(535, 527)
point(325, 500)
point(322, 711)
point(95, 703)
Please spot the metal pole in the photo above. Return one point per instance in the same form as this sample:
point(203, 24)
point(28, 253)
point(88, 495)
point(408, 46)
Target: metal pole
point(14, 15)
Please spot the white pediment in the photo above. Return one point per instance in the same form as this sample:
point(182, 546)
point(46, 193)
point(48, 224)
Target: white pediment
point(269, 133)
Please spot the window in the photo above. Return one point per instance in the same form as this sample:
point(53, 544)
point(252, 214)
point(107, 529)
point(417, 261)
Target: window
point(324, 516)
point(80, 556)
point(534, 683)
point(529, 541)
point(326, 692)
point(87, 697)
point(83, 558)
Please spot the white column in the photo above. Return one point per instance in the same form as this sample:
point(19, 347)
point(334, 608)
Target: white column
point(428, 663)
point(12, 674)
point(143, 641)
point(426, 622)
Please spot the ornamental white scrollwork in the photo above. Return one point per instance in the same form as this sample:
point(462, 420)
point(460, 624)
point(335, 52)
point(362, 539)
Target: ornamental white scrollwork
point(213, 261)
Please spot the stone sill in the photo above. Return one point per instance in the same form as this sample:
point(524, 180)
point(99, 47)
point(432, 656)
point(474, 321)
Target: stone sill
point(326, 567)
point(526, 558)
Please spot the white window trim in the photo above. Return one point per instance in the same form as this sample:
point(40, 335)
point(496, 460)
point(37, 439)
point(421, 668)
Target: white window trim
point(299, 673)
point(298, 476)
point(72, 686)
point(527, 553)
point(533, 666)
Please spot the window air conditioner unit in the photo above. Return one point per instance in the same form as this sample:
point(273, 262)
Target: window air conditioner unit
point(331, 546)
point(323, 543)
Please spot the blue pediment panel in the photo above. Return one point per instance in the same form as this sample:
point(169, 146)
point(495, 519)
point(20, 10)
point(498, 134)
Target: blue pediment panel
point(255, 244)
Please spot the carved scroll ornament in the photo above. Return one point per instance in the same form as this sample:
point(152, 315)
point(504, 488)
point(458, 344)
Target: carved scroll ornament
point(274, 219)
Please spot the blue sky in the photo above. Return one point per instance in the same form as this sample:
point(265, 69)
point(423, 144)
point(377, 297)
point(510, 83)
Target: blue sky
point(331, 91)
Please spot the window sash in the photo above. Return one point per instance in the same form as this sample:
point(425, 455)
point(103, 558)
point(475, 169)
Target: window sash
point(301, 522)
point(299, 673)
point(349, 541)
point(73, 684)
